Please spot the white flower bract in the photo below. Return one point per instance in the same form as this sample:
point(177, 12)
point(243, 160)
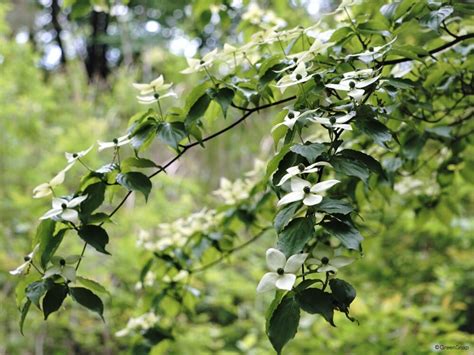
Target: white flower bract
point(64, 209)
point(302, 190)
point(323, 255)
point(283, 275)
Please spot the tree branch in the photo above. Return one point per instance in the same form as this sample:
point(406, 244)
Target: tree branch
point(431, 52)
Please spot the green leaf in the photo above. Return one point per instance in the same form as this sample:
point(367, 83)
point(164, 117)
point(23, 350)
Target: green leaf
point(96, 236)
point(88, 299)
point(135, 181)
point(275, 161)
point(98, 218)
point(53, 299)
point(295, 235)
point(285, 215)
point(156, 335)
point(344, 230)
point(223, 97)
point(95, 196)
point(350, 167)
point(367, 160)
point(197, 110)
point(434, 19)
point(316, 301)
point(23, 314)
point(36, 290)
point(138, 163)
point(92, 285)
point(343, 292)
point(48, 241)
point(172, 133)
point(143, 134)
point(412, 144)
point(366, 123)
point(310, 151)
point(331, 206)
point(283, 323)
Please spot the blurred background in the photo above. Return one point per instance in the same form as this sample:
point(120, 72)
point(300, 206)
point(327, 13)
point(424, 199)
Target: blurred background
point(65, 82)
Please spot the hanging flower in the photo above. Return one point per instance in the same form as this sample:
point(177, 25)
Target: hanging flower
point(336, 121)
point(73, 157)
point(63, 209)
point(353, 87)
point(61, 266)
point(46, 189)
point(298, 76)
point(154, 91)
point(291, 118)
point(303, 190)
point(197, 65)
point(117, 142)
point(323, 255)
point(28, 260)
point(283, 275)
point(301, 169)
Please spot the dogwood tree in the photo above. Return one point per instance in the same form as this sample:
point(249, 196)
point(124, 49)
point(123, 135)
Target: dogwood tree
point(359, 105)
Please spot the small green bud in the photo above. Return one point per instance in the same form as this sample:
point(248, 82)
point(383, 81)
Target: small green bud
point(301, 167)
point(325, 260)
point(306, 190)
point(202, 62)
point(156, 95)
point(115, 141)
point(332, 120)
point(291, 115)
point(27, 258)
point(298, 77)
point(352, 84)
point(62, 262)
point(280, 271)
point(63, 206)
point(75, 155)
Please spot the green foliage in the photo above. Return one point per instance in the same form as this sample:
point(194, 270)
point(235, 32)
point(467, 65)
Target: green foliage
point(372, 136)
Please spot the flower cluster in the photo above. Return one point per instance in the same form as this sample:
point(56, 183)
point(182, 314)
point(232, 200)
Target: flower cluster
point(143, 322)
point(283, 271)
point(179, 231)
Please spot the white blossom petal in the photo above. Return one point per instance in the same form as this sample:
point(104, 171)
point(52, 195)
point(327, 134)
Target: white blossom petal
point(54, 270)
point(70, 215)
point(275, 259)
point(340, 261)
point(267, 283)
point(294, 263)
point(324, 185)
point(76, 201)
point(285, 281)
point(326, 268)
point(291, 197)
point(51, 213)
point(312, 199)
point(69, 273)
point(298, 184)
point(42, 190)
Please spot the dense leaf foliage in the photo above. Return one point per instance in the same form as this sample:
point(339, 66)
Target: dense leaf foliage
point(358, 101)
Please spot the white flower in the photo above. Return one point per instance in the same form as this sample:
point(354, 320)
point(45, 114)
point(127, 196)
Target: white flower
point(197, 65)
point(61, 267)
point(233, 192)
point(298, 76)
point(28, 259)
point(73, 157)
point(291, 118)
point(46, 189)
point(154, 91)
point(63, 209)
point(336, 121)
point(283, 271)
point(117, 142)
point(324, 255)
point(301, 169)
point(373, 53)
point(145, 321)
point(303, 190)
point(353, 87)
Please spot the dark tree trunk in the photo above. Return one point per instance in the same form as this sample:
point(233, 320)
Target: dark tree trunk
point(57, 29)
point(96, 61)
